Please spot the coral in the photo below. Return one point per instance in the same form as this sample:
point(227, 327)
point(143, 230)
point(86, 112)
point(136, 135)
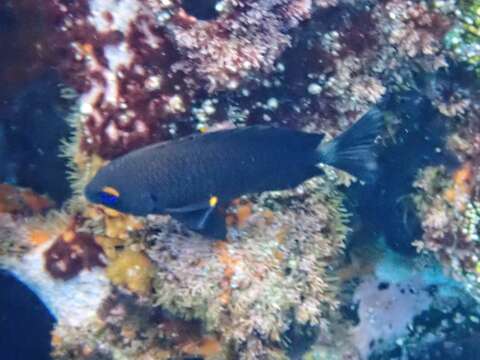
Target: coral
point(25, 202)
point(397, 308)
point(141, 62)
point(142, 71)
point(242, 41)
point(130, 96)
point(71, 253)
point(13, 237)
point(397, 304)
point(22, 221)
point(450, 219)
point(448, 202)
point(249, 287)
point(464, 38)
point(123, 321)
point(132, 270)
point(415, 28)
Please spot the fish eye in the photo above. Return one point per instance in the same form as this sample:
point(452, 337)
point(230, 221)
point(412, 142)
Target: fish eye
point(109, 195)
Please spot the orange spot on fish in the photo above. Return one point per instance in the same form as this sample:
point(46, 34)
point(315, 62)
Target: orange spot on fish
point(111, 191)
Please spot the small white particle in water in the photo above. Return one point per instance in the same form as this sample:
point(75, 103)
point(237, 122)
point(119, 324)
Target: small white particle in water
point(153, 82)
point(208, 107)
point(86, 108)
point(163, 16)
point(272, 103)
point(172, 129)
point(314, 89)
point(112, 132)
point(232, 85)
point(175, 104)
point(220, 6)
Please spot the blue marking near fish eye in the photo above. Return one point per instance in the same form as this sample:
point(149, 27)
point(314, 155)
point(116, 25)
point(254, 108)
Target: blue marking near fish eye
point(108, 199)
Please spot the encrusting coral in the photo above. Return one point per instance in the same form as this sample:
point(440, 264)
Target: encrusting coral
point(448, 204)
point(271, 276)
point(144, 71)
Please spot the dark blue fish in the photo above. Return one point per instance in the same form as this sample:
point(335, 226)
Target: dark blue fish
point(192, 177)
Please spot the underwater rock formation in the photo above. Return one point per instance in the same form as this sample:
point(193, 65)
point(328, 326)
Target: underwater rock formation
point(464, 38)
point(273, 274)
point(448, 199)
point(142, 71)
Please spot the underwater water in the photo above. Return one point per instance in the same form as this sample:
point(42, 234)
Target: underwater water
point(326, 207)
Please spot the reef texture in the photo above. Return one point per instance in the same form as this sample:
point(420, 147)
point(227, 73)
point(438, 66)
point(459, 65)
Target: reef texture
point(270, 277)
point(142, 71)
point(448, 200)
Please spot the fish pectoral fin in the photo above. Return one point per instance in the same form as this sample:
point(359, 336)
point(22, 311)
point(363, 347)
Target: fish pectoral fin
point(188, 209)
point(209, 222)
point(204, 205)
point(207, 219)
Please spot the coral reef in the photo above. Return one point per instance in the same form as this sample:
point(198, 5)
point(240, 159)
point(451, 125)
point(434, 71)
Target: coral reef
point(141, 71)
point(21, 201)
point(139, 64)
point(270, 277)
point(464, 38)
point(448, 205)
point(397, 307)
point(447, 195)
point(242, 41)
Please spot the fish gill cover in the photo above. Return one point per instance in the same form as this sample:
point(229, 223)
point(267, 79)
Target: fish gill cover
point(312, 272)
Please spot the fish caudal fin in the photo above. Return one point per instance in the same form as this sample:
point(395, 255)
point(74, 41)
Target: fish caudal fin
point(354, 151)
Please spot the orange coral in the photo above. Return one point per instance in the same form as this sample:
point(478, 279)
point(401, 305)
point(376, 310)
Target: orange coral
point(463, 175)
point(229, 262)
point(117, 227)
point(244, 211)
point(207, 347)
point(39, 236)
point(117, 224)
point(241, 211)
point(459, 193)
point(22, 201)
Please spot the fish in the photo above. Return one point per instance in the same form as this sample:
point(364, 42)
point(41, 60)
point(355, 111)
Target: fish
point(195, 177)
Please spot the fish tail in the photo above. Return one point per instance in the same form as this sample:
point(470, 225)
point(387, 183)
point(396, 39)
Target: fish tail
point(354, 151)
